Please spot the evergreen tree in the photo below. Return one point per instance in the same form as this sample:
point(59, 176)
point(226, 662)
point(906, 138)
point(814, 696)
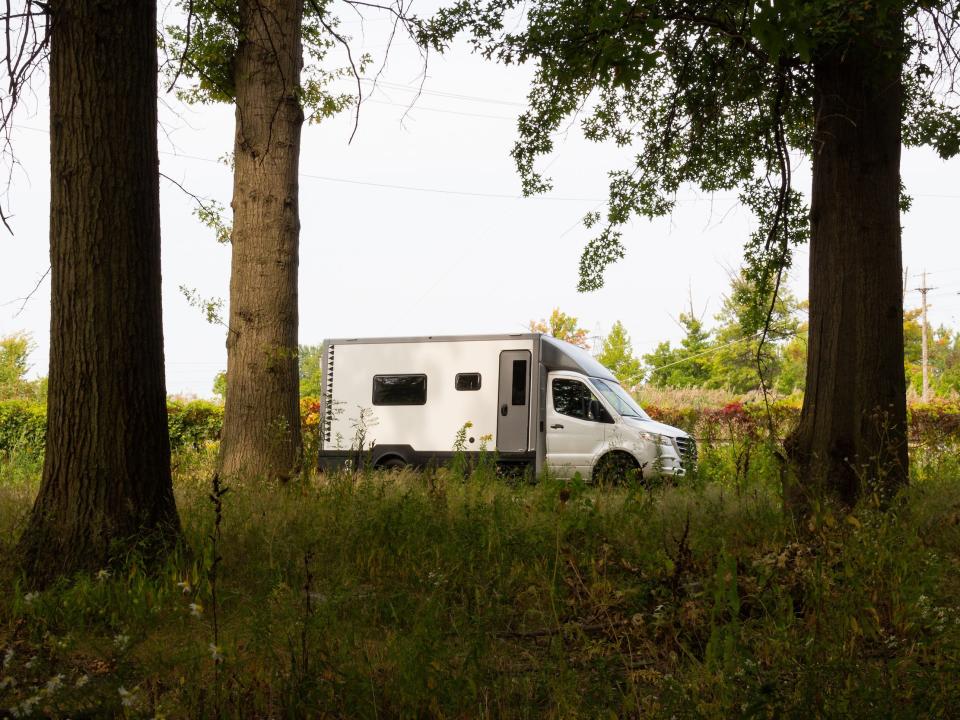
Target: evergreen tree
point(617, 356)
point(685, 366)
point(734, 363)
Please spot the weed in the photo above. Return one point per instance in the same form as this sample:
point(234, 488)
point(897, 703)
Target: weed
point(372, 595)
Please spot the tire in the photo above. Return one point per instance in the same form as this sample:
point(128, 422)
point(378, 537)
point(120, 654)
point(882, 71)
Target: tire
point(392, 463)
point(616, 468)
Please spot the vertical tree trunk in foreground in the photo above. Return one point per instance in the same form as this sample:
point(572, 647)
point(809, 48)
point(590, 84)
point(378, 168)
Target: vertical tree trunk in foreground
point(851, 440)
point(261, 425)
point(106, 484)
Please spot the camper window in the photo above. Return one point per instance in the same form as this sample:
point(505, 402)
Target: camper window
point(399, 389)
point(467, 381)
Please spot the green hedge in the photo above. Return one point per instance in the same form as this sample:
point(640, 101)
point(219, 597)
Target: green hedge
point(931, 424)
point(195, 423)
point(23, 425)
point(192, 424)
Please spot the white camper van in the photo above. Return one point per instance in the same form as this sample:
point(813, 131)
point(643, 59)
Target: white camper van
point(535, 400)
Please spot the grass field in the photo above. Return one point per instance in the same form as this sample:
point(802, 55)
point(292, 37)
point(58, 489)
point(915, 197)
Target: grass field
point(439, 595)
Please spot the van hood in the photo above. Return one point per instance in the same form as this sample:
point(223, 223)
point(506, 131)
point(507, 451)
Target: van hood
point(654, 427)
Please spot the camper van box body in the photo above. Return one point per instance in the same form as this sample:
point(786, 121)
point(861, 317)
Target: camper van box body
point(532, 399)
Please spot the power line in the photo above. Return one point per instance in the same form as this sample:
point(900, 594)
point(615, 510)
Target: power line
point(443, 191)
point(413, 108)
point(442, 93)
point(721, 347)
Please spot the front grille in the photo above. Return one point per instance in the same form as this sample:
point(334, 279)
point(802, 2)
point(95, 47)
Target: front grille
point(688, 452)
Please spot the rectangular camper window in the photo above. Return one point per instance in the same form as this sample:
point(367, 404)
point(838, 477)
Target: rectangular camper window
point(519, 394)
point(467, 381)
point(399, 389)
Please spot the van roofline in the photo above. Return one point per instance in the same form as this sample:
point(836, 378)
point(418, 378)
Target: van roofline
point(555, 354)
point(429, 338)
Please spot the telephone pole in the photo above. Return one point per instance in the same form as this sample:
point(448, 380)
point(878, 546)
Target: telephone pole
point(923, 290)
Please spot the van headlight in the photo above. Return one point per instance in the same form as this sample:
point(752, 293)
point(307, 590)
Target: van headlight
point(656, 439)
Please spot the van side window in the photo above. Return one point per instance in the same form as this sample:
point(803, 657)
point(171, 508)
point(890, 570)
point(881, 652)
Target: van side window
point(467, 381)
point(519, 383)
point(399, 389)
point(573, 398)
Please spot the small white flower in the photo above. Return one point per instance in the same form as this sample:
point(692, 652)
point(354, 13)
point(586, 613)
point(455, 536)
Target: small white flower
point(103, 575)
point(121, 641)
point(215, 653)
point(30, 663)
point(81, 681)
point(185, 586)
point(196, 609)
point(30, 597)
point(54, 683)
point(127, 697)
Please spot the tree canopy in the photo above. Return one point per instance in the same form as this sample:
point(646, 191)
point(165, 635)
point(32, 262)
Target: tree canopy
point(715, 95)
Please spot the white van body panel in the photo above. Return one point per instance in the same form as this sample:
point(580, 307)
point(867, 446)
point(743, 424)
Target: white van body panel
point(434, 425)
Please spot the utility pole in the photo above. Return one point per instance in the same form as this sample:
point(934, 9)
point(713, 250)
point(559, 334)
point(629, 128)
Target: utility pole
point(923, 290)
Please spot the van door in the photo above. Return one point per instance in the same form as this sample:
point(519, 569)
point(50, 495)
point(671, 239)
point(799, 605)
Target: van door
point(577, 426)
point(513, 407)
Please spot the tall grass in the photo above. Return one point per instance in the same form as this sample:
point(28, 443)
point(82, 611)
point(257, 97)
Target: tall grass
point(462, 594)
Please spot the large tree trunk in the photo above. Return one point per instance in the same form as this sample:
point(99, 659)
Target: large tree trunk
point(851, 439)
point(106, 484)
point(261, 427)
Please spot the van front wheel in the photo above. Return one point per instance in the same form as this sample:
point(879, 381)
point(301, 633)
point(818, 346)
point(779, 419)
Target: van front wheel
point(617, 468)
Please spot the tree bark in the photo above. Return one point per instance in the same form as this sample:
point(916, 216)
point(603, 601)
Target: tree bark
point(261, 429)
point(106, 486)
point(852, 436)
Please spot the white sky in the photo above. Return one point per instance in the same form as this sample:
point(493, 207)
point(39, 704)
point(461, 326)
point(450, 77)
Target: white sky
point(380, 260)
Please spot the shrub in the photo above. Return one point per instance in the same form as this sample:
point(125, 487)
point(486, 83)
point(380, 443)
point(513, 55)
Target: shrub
point(193, 424)
point(23, 427)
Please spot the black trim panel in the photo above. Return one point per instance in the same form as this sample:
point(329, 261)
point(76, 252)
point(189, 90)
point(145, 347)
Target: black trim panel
point(336, 459)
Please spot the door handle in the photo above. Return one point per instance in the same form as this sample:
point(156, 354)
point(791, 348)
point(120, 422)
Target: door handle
point(503, 409)
point(558, 426)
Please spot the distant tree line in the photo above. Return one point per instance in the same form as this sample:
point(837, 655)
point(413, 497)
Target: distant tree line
point(729, 355)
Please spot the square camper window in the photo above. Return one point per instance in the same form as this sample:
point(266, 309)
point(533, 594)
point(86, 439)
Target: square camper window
point(399, 389)
point(467, 381)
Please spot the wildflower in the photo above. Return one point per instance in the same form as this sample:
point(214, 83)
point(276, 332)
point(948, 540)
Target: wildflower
point(54, 683)
point(196, 609)
point(121, 641)
point(30, 597)
point(127, 697)
point(102, 575)
point(185, 586)
point(215, 653)
point(81, 681)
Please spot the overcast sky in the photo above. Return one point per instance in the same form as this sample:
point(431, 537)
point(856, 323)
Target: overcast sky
point(417, 227)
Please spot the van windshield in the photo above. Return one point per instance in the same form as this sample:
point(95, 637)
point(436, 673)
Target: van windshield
point(620, 399)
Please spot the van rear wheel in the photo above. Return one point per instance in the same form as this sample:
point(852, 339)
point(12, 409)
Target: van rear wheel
point(391, 463)
point(617, 468)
